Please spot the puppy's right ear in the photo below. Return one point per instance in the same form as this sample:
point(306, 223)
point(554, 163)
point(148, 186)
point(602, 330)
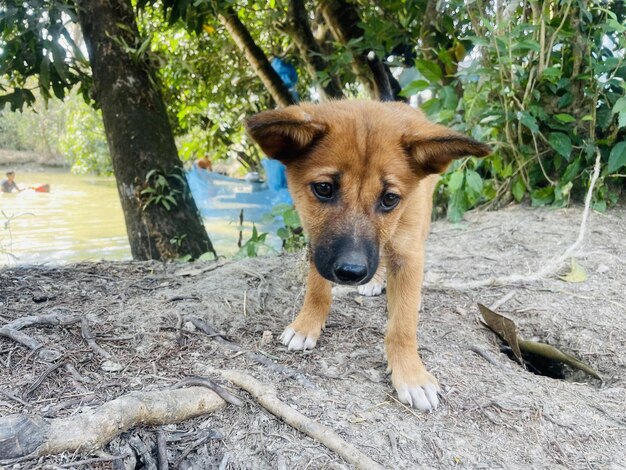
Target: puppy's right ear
point(285, 134)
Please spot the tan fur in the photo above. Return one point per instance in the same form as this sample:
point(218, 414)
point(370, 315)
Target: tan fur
point(375, 148)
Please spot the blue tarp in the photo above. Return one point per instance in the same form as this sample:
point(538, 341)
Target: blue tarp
point(219, 196)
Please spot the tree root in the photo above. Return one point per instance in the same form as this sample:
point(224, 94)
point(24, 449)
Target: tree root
point(23, 435)
point(267, 398)
point(12, 331)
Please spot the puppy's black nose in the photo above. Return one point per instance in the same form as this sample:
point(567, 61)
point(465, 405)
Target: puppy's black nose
point(350, 273)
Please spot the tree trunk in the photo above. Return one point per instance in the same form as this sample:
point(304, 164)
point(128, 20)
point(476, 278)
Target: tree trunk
point(162, 223)
point(256, 57)
point(299, 29)
point(343, 20)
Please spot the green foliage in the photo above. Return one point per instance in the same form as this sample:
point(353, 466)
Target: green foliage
point(83, 141)
point(35, 129)
point(291, 233)
point(163, 190)
point(255, 246)
point(35, 42)
point(545, 85)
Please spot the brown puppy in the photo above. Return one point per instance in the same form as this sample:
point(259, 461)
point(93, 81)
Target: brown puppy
point(362, 175)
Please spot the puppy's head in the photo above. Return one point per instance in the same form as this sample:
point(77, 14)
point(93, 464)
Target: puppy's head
point(353, 168)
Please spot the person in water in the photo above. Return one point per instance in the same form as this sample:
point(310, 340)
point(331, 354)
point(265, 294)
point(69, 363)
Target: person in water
point(8, 185)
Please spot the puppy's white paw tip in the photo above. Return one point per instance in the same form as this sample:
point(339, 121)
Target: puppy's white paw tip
point(297, 341)
point(370, 289)
point(423, 398)
point(287, 335)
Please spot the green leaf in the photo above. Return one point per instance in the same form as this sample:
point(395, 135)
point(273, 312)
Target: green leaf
point(565, 118)
point(457, 205)
point(518, 189)
point(571, 171)
point(528, 120)
point(542, 197)
point(429, 70)
point(617, 158)
point(561, 143)
point(414, 87)
point(474, 181)
point(291, 219)
point(552, 74)
point(449, 98)
point(527, 45)
point(456, 181)
point(620, 109)
point(576, 274)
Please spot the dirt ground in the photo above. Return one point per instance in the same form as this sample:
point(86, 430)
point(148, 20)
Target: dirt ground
point(494, 413)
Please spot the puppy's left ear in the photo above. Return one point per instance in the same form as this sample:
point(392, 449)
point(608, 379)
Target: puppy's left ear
point(285, 134)
point(435, 146)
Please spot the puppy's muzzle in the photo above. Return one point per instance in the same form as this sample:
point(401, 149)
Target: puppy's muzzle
point(345, 260)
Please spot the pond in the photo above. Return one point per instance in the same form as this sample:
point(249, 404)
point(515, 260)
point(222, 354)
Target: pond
point(81, 219)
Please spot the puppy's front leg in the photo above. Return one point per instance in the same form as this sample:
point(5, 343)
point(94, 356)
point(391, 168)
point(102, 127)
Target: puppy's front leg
point(305, 330)
point(409, 377)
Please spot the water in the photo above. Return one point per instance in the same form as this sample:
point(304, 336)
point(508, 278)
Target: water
point(81, 220)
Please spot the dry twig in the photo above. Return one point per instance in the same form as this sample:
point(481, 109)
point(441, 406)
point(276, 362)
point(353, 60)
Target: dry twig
point(91, 340)
point(267, 398)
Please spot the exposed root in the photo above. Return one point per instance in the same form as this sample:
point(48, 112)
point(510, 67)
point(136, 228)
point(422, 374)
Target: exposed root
point(267, 398)
point(12, 331)
point(24, 435)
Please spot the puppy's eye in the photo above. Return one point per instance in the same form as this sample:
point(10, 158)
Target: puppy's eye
point(323, 191)
point(389, 201)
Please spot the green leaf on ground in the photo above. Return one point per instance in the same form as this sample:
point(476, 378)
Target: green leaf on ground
point(576, 273)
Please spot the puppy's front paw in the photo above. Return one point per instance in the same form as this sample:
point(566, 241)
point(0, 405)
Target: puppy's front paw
point(297, 341)
point(371, 289)
point(418, 389)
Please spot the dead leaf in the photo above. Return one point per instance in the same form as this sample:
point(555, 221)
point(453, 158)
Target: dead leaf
point(503, 327)
point(576, 274)
point(555, 354)
point(507, 330)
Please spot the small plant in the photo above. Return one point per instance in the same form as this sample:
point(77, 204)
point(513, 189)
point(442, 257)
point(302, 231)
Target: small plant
point(159, 189)
point(178, 240)
point(6, 243)
point(291, 233)
point(255, 246)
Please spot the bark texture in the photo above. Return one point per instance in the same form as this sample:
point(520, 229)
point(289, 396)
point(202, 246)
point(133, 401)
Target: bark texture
point(22, 435)
point(342, 18)
point(299, 29)
point(256, 57)
point(139, 136)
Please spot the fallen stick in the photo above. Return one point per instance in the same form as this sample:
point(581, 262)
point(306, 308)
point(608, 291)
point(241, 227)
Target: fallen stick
point(267, 398)
point(162, 451)
point(91, 340)
point(24, 435)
